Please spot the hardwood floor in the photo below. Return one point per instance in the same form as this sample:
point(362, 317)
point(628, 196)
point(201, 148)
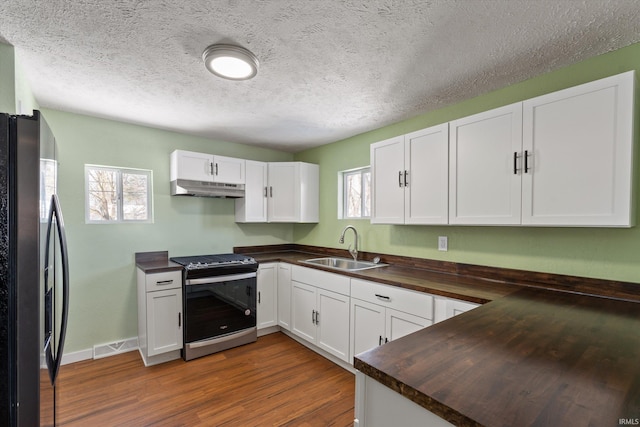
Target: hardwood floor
point(273, 382)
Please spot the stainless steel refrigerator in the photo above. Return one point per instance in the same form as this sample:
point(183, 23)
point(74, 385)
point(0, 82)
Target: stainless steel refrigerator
point(34, 273)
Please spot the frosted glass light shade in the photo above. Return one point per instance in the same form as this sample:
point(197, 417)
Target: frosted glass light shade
point(230, 62)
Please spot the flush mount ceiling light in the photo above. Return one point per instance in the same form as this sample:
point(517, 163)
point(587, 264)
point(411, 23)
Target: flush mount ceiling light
point(230, 62)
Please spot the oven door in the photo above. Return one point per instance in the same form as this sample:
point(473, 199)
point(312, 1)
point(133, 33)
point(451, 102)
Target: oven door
point(219, 305)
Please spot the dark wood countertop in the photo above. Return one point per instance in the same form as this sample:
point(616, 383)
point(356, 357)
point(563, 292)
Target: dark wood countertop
point(534, 357)
point(473, 283)
point(155, 262)
point(448, 285)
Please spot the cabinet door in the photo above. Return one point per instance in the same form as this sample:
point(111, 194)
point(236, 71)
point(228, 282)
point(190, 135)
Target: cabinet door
point(399, 324)
point(367, 326)
point(387, 178)
point(267, 296)
point(580, 155)
point(284, 192)
point(253, 206)
point(484, 170)
point(332, 321)
point(284, 296)
point(228, 170)
point(192, 166)
point(455, 307)
point(426, 158)
point(303, 308)
point(164, 321)
point(309, 187)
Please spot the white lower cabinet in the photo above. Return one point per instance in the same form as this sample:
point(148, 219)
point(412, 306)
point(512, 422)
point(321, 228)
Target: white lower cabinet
point(267, 283)
point(159, 316)
point(378, 406)
point(320, 315)
point(381, 313)
point(446, 308)
point(284, 296)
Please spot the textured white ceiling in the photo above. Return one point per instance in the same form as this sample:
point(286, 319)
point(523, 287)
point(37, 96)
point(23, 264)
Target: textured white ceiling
point(328, 69)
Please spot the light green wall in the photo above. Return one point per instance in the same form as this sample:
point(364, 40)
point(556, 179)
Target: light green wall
point(15, 94)
point(103, 290)
point(599, 253)
point(7, 79)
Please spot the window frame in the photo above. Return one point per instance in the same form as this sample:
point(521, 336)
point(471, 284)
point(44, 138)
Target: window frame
point(120, 171)
point(343, 193)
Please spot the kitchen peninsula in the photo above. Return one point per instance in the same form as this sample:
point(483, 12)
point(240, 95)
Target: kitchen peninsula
point(561, 351)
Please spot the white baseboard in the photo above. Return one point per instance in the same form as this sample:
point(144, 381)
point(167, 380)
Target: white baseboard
point(100, 350)
point(77, 356)
point(113, 348)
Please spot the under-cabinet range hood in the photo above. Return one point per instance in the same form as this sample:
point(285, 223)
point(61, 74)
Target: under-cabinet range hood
point(185, 187)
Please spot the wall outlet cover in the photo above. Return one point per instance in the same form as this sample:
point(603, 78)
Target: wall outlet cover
point(443, 244)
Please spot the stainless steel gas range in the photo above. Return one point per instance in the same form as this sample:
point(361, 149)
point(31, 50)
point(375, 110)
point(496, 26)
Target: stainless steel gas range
point(219, 301)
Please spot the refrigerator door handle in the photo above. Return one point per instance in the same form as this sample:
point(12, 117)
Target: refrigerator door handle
point(53, 363)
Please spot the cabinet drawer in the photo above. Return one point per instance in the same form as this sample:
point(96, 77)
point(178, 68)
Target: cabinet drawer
point(321, 279)
point(164, 280)
point(412, 302)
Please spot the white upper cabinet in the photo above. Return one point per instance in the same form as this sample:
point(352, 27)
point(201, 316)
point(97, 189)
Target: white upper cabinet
point(564, 159)
point(280, 192)
point(426, 154)
point(228, 170)
point(193, 166)
point(410, 178)
point(387, 168)
point(284, 192)
point(484, 167)
point(253, 206)
point(579, 148)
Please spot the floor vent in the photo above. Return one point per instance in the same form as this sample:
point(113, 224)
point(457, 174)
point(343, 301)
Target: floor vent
point(111, 349)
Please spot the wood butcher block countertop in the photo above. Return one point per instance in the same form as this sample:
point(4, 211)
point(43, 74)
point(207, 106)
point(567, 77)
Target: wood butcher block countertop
point(543, 350)
point(155, 262)
point(532, 358)
point(436, 283)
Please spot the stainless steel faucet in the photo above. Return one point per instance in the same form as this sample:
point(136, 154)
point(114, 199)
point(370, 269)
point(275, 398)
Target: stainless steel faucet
point(354, 251)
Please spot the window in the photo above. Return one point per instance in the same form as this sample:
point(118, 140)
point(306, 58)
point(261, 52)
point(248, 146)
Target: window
point(117, 195)
point(355, 193)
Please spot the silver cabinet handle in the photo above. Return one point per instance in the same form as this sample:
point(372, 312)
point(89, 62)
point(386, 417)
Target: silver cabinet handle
point(313, 316)
point(179, 320)
point(400, 179)
point(384, 297)
point(258, 297)
point(317, 320)
point(270, 191)
point(216, 169)
point(164, 282)
point(406, 180)
point(526, 161)
point(211, 168)
point(265, 192)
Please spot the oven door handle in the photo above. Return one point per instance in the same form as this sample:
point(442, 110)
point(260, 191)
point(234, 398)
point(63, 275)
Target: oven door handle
point(218, 279)
point(218, 340)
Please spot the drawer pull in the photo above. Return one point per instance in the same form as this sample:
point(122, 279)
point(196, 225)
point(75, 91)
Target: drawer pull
point(164, 282)
point(384, 297)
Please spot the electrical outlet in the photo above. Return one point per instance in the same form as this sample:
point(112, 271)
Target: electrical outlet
point(443, 244)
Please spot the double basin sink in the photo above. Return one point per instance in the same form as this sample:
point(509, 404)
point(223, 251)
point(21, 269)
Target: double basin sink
point(343, 264)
